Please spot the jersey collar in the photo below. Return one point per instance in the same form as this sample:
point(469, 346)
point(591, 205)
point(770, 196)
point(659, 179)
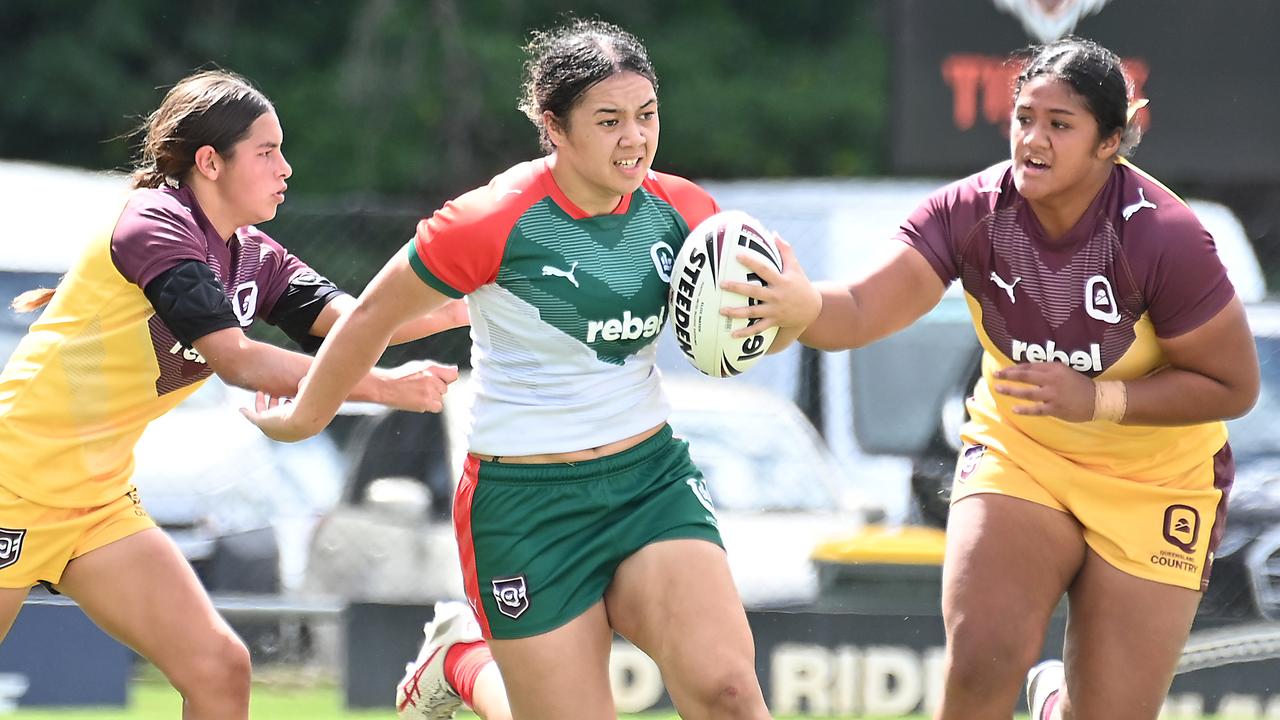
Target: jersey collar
point(573, 211)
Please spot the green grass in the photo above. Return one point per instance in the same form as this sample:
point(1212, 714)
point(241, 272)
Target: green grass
point(298, 699)
point(155, 700)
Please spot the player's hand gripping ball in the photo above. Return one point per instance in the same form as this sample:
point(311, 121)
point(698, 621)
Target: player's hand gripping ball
point(708, 257)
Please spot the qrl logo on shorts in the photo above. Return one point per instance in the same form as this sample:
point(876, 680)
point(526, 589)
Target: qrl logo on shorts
point(512, 595)
point(1182, 527)
point(10, 546)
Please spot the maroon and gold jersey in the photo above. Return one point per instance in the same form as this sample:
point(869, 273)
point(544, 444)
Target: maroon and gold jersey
point(1137, 266)
point(98, 364)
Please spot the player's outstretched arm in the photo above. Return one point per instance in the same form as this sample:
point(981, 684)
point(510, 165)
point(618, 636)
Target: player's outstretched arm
point(451, 315)
point(897, 290)
point(418, 386)
point(356, 341)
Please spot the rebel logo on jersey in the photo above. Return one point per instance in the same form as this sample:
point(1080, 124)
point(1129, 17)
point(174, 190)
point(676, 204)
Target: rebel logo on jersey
point(1079, 360)
point(628, 327)
point(592, 279)
point(179, 365)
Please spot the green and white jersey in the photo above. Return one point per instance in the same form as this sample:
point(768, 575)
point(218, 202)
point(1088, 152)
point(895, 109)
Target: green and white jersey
point(565, 307)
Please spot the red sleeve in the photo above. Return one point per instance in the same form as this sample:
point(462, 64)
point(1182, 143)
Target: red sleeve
point(689, 200)
point(460, 247)
point(154, 234)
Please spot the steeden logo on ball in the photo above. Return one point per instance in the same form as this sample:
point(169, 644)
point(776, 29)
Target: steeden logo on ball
point(708, 257)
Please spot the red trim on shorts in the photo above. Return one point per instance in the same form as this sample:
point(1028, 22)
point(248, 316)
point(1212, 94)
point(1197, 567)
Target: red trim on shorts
point(466, 546)
point(1224, 475)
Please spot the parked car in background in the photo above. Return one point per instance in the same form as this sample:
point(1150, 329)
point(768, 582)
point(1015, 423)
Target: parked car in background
point(777, 489)
point(243, 512)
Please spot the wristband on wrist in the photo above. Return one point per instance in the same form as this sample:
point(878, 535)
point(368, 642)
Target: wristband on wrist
point(1110, 400)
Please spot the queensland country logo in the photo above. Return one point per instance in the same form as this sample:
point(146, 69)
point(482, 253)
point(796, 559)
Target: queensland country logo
point(1048, 20)
point(969, 459)
point(1100, 300)
point(10, 546)
point(512, 595)
point(1182, 527)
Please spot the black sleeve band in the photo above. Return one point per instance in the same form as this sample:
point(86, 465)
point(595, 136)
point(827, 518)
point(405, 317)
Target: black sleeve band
point(191, 301)
point(299, 305)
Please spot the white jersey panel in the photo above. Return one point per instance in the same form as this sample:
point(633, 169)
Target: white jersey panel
point(540, 391)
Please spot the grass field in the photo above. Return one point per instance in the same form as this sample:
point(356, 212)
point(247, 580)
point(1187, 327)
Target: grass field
point(155, 700)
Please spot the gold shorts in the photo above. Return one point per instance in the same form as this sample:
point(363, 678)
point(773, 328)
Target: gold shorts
point(37, 541)
point(1166, 532)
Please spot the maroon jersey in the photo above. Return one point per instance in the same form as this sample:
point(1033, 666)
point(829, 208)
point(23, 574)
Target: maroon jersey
point(160, 229)
point(98, 364)
point(1137, 265)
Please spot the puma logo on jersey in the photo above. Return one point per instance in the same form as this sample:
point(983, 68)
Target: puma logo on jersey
point(1079, 360)
point(1007, 287)
point(628, 327)
point(566, 274)
point(1143, 202)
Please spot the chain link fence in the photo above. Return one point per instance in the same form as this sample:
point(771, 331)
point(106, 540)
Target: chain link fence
point(349, 243)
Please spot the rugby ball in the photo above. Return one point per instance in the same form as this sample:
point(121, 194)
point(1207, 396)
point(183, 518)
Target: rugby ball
point(708, 257)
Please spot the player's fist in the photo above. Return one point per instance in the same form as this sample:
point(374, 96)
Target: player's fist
point(417, 386)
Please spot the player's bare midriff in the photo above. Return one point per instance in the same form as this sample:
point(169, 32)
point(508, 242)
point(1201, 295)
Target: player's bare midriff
point(576, 456)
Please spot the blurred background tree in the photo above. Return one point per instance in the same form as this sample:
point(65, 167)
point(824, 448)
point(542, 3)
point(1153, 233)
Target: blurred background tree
point(391, 107)
point(417, 100)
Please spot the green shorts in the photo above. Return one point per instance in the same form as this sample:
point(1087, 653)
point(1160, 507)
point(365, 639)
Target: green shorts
point(539, 543)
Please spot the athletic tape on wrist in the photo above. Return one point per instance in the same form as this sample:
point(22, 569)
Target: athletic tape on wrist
point(1110, 400)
